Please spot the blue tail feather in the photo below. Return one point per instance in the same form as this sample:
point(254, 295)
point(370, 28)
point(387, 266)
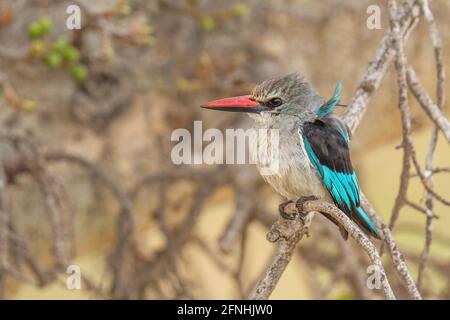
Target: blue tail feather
point(367, 222)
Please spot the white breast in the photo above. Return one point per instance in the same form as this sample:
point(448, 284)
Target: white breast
point(295, 176)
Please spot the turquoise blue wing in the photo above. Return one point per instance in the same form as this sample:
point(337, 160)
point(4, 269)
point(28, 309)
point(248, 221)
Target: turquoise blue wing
point(327, 147)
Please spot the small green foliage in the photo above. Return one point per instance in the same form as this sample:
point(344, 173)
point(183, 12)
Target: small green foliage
point(61, 45)
point(46, 25)
point(208, 24)
point(71, 55)
point(58, 53)
point(54, 59)
point(39, 28)
point(34, 30)
point(240, 10)
point(79, 72)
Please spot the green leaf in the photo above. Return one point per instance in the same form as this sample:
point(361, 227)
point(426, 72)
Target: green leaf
point(79, 72)
point(54, 59)
point(34, 30)
point(39, 28)
point(71, 54)
point(46, 25)
point(61, 45)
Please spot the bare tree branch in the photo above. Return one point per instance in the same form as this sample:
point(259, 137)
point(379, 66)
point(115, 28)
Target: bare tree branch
point(440, 92)
point(400, 66)
point(288, 233)
point(425, 101)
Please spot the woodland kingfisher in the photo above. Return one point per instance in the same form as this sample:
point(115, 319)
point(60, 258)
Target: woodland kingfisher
point(314, 158)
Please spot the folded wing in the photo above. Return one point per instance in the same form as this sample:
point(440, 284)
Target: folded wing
point(326, 143)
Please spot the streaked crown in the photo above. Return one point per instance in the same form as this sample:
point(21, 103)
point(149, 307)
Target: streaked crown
point(293, 92)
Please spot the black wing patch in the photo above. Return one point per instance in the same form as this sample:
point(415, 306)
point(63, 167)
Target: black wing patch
point(326, 143)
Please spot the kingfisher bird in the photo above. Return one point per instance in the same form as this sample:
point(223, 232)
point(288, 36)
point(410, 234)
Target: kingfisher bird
point(314, 159)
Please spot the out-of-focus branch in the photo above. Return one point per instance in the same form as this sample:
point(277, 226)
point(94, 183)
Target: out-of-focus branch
point(237, 224)
point(53, 193)
point(125, 225)
point(287, 233)
point(246, 204)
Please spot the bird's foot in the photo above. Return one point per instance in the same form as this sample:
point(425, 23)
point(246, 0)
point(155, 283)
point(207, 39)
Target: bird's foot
point(301, 201)
point(283, 213)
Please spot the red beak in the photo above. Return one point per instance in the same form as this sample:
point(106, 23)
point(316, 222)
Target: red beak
point(236, 104)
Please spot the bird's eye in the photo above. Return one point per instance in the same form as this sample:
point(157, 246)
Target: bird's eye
point(274, 102)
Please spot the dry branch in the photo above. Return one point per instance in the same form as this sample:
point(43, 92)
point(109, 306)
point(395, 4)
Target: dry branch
point(288, 233)
point(400, 66)
point(440, 92)
point(425, 101)
point(125, 224)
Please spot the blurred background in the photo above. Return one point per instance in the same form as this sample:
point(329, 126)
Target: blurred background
point(97, 107)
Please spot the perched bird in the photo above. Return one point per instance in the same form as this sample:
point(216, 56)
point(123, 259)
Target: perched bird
point(314, 160)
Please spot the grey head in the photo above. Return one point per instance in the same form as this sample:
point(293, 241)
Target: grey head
point(280, 100)
point(288, 96)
